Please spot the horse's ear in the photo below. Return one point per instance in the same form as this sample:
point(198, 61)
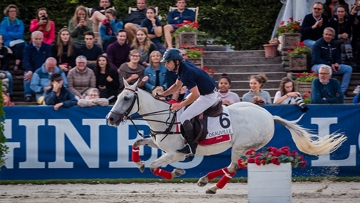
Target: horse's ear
point(134, 86)
point(125, 83)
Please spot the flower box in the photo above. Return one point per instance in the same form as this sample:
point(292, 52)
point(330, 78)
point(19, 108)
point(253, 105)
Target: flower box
point(289, 39)
point(299, 62)
point(269, 183)
point(188, 38)
point(302, 87)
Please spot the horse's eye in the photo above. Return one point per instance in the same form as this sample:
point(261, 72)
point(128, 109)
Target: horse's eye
point(126, 98)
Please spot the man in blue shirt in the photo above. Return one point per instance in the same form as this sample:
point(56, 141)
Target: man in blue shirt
point(90, 50)
point(177, 16)
point(202, 93)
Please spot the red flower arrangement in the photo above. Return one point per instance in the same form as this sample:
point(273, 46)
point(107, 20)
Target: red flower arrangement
point(186, 26)
point(306, 77)
point(306, 97)
point(193, 52)
point(291, 26)
point(299, 48)
point(209, 71)
point(272, 155)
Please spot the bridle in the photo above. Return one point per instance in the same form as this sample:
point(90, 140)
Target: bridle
point(153, 133)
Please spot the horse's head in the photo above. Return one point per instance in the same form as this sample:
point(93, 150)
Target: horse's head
point(127, 103)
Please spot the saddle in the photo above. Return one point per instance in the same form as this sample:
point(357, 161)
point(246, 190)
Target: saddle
point(200, 121)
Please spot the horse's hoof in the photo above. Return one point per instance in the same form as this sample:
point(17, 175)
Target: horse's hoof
point(178, 172)
point(209, 191)
point(203, 181)
point(142, 167)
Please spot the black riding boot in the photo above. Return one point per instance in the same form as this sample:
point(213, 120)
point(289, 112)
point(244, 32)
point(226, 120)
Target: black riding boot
point(190, 147)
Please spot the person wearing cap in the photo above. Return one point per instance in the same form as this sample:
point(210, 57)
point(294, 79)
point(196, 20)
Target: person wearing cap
point(58, 95)
point(202, 94)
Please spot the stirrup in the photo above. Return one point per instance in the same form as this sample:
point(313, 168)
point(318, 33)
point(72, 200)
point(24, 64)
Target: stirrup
point(186, 150)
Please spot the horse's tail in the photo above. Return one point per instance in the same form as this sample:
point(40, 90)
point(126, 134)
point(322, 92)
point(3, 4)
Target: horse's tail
point(309, 143)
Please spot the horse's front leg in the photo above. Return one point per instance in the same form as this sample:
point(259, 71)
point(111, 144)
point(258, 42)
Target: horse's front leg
point(135, 157)
point(165, 159)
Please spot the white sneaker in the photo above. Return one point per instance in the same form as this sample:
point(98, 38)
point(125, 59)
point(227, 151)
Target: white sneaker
point(357, 90)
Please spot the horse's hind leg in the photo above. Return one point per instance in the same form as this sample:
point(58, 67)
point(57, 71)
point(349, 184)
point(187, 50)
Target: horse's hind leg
point(165, 159)
point(135, 157)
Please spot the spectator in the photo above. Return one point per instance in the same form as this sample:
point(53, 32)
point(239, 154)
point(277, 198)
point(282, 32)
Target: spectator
point(7, 82)
point(35, 55)
point(143, 44)
point(225, 94)
point(107, 79)
point(132, 21)
point(355, 14)
point(156, 74)
point(12, 31)
point(118, 52)
point(132, 71)
point(325, 52)
point(109, 27)
point(81, 78)
point(5, 54)
point(64, 51)
point(154, 28)
point(288, 95)
point(93, 99)
point(58, 95)
point(313, 25)
point(331, 6)
point(79, 25)
point(326, 90)
point(40, 81)
point(98, 13)
point(44, 24)
point(177, 16)
point(90, 50)
point(256, 95)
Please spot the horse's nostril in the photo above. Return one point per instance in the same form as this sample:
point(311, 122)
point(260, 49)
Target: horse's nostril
point(111, 119)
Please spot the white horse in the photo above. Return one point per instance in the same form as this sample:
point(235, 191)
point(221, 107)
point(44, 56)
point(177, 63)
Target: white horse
point(253, 128)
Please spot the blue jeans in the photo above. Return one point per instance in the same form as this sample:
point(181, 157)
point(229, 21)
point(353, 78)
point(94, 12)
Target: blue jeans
point(344, 69)
point(27, 90)
point(11, 84)
point(309, 43)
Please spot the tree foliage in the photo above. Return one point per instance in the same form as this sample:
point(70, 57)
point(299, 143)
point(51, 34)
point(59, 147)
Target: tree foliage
point(3, 147)
point(243, 24)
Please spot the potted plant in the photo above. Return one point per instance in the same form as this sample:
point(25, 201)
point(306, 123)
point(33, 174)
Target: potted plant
point(304, 80)
point(186, 33)
point(195, 54)
point(299, 57)
point(289, 32)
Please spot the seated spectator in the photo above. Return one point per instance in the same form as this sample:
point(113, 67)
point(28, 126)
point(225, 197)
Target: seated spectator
point(143, 44)
point(40, 80)
point(156, 74)
point(5, 54)
point(35, 55)
point(81, 78)
point(177, 16)
point(7, 82)
point(355, 15)
point(132, 21)
point(331, 6)
point(288, 95)
point(154, 28)
point(98, 13)
point(325, 52)
point(132, 71)
point(4, 89)
point(256, 95)
point(43, 24)
point(90, 50)
point(107, 79)
point(313, 25)
point(58, 95)
point(118, 52)
point(109, 27)
point(79, 25)
point(225, 94)
point(93, 99)
point(12, 31)
point(326, 90)
point(64, 51)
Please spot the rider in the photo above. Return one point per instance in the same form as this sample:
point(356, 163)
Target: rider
point(202, 93)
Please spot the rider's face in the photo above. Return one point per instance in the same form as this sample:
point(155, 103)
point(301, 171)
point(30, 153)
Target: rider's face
point(170, 65)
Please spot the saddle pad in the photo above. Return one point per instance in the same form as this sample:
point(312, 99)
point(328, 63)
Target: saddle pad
point(219, 129)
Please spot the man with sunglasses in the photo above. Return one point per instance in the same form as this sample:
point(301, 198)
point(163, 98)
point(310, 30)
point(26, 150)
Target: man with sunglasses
point(313, 25)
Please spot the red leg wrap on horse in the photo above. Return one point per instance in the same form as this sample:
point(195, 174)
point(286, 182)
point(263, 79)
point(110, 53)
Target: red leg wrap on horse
point(163, 173)
point(214, 174)
point(135, 157)
point(225, 179)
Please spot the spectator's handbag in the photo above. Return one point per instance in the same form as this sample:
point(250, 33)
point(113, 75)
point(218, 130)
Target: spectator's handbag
point(15, 42)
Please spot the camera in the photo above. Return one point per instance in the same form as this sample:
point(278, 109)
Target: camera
point(43, 17)
point(357, 8)
point(301, 104)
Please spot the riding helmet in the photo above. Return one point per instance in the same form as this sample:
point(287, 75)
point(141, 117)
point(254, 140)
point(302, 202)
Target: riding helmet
point(172, 54)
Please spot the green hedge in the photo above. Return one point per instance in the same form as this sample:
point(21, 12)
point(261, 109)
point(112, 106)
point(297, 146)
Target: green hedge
point(244, 24)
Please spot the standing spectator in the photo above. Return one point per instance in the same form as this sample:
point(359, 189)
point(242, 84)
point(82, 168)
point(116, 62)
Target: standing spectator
point(58, 95)
point(107, 79)
point(177, 16)
point(154, 28)
point(79, 25)
point(81, 78)
point(326, 90)
point(313, 25)
point(35, 55)
point(256, 95)
point(98, 13)
point(325, 52)
point(143, 44)
point(40, 81)
point(132, 21)
point(156, 73)
point(109, 27)
point(132, 71)
point(90, 50)
point(44, 24)
point(228, 97)
point(118, 52)
point(64, 51)
point(12, 31)
point(331, 6)
point(93, 99)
